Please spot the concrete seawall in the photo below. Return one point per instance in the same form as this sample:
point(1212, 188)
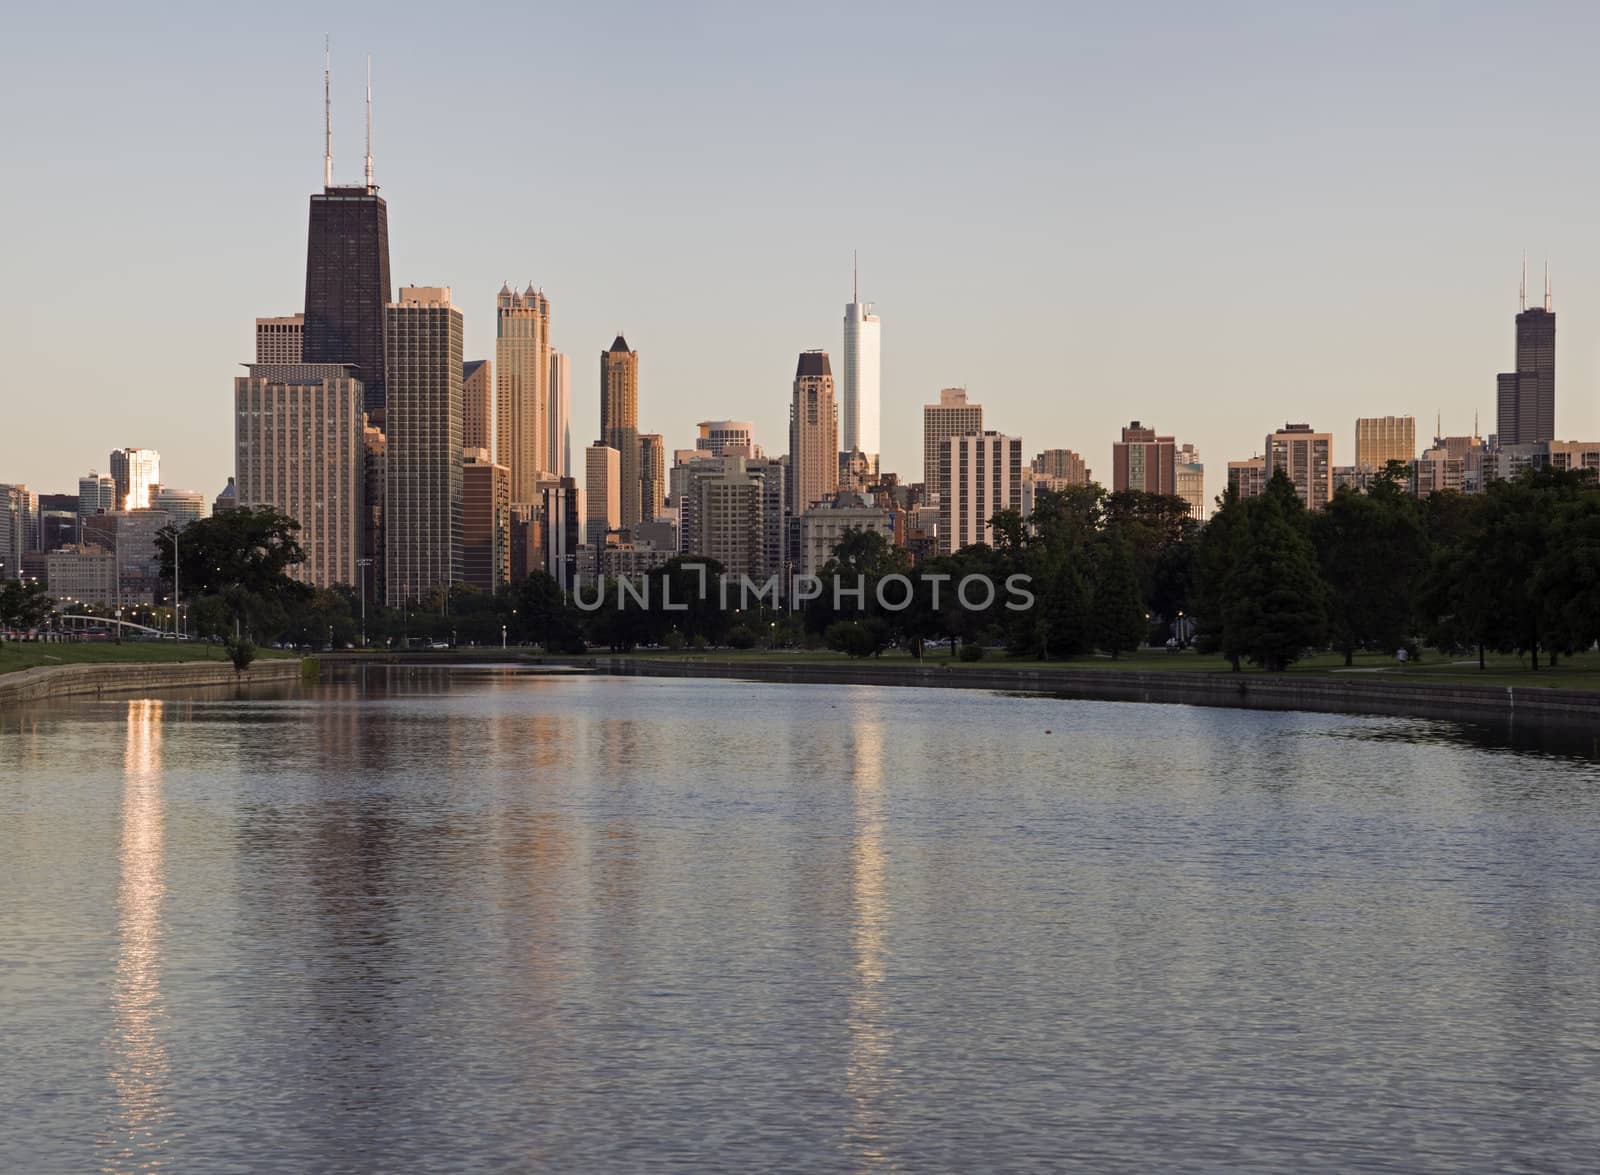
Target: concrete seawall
point(60, 681)
point(1251, 691)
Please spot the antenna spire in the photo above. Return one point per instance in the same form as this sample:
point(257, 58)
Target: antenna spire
point(369, 120)
point(855, 277)
point(1522, 290)
point(1547, 305)
point(327, 112)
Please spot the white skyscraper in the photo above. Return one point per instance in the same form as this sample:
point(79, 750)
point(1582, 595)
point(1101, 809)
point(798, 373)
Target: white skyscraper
point(560, 414)
point(859, 405)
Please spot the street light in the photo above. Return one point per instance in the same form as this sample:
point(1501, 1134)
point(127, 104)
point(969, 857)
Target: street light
point(363, 564)
point(502, 638)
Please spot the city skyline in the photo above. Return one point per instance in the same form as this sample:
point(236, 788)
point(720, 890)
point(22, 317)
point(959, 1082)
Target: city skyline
point(1146, 313)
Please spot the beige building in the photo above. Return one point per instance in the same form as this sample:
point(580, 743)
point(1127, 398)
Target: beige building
point(952, 416)
point(652, 475)
point(422, 509)
point(298, 448)
point(477, 405)
point(1248, 478)
point(980, 474)
point(813, 433)
point(559, 461)
point(728, 437)
point(619, 422)
point(84, 574)
point(603, 491)
point(184, 505)
point(280, 340)
point(731, 521)
point(1190, 475)
point(485, 522)
point(522, 389)
point(1307, 457)
point(823, 527)
point(1382, 439)
point(1059, 467)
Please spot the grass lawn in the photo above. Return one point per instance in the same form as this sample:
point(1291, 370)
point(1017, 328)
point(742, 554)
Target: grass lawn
point(16, 655)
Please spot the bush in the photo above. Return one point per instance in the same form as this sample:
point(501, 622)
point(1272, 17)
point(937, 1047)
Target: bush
point(674, 640)
point(971, 653)
point(847, 636)
point(741, 637)
point(241, 653)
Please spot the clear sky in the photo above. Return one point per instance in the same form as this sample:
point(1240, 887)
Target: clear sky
point(1212, 218)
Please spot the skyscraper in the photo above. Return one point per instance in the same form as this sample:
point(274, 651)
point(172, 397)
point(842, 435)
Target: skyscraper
point(347, 272)
point(486, 522)
point(1061, 466)
point(1143, 461)
point(1306, 456)
point(96, 495)
point(652, 475)
point(281, 340)
point(980, 474)
point(602, 491)
point(422, 512)
point(720, 436)
point(952, 416)
point(859, 396)
point(1382, 439)
point(298, 449)
point(560, 415)
point(813, 433)
point(619, 421)
point(477, 404)
point(522, 389)
point(1191, 481)
point(135, 471)
point(1527, 396)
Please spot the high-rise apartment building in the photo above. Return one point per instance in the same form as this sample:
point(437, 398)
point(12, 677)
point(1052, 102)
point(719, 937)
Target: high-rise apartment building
point(522, 396)
point(1382, 439)
point(652, 475)
point(724, 437)
point(1526, 397)
point(602, 491)
point(859, 395)
point(422, 510)
point(731, 520)
point(1190, 481)
point(298, 449)
point(1307, 457)
point(96, 495)
point(980, 474)
point(185, 506)
point(485, 522)
point(1248, 479)
point(477, 405)
point(136, 472)
point(560, 415)
point(18, 506)
point(281, 340)
point(1062, 466)
point(953, 416)
point(813, 433)
point(619, 421)
point(1143, 461)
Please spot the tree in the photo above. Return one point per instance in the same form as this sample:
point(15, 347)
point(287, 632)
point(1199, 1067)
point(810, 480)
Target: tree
point(23, 604)
point(250, 547)
point(1273, 600)
point(1373, 553)
point(1220, 552)
point(853, 637)
point(1118, 617)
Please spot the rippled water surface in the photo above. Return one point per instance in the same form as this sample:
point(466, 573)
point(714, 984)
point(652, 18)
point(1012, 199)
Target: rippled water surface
point(483, 921)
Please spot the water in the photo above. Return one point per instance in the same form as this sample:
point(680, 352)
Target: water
point(482, 921)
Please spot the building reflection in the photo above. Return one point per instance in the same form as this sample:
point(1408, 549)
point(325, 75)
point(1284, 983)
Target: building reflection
point(867, 1070)
point(138, 1065)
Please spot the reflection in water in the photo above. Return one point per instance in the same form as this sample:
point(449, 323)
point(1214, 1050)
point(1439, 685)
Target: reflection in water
point(870, 1037)
point(138, 1058)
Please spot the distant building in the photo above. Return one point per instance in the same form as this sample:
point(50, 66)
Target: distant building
point(135, 471)
point(652, 475)
point(563, 514)
point(1143, 461)
point(185, 506)
point(1248, 479)
point(1436, 470)
point(859, 389)
point(96, 495)
point(85, 574)
point(281, 340)
point(559, 461)
point(297, 448)
point(347, 285)
point(485, 523)
point(1061, 467)
point(717, 437)
point(603, 489)
point(522, 389)
point(477, 405)
point(227, 499)
point(823, 527)
point(619, 424)
point(17, 523)
point(857, 470)
point(980, 474)
point(813, 433)
point(952, 416)
point(139, 554)
point(1526, 397)
point(422, 509)
point(1382, 439)
point(1307, 457)
point(1190, 475)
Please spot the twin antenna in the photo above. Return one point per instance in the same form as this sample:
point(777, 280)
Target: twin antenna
point(1522, 293)
point(327, 115)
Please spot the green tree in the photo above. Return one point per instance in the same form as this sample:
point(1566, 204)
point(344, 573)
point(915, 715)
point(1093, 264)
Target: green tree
point(1218, 554)
point(1373, 553)
point(1273, 606)
point(23, 604)
point(1118, 617)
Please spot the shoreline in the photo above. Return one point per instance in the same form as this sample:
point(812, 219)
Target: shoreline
point(83, 680)
point(1459, 702)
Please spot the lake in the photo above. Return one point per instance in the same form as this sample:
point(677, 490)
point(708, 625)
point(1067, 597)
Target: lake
point(422, 919)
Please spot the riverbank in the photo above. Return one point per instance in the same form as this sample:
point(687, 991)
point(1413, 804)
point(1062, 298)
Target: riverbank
point(96, 679)
point(1349, 694)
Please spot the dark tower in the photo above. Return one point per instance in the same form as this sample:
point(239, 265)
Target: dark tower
point(347, 273)
point(1526, 397)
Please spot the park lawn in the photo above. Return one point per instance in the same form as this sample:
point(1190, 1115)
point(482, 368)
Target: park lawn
point(16, 655)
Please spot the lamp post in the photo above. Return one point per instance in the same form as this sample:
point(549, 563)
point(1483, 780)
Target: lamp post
point(363, 564)
point(502, 638)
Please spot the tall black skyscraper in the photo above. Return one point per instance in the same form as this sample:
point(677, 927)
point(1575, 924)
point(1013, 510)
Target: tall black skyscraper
point(347, 272)
point(1526, 398)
